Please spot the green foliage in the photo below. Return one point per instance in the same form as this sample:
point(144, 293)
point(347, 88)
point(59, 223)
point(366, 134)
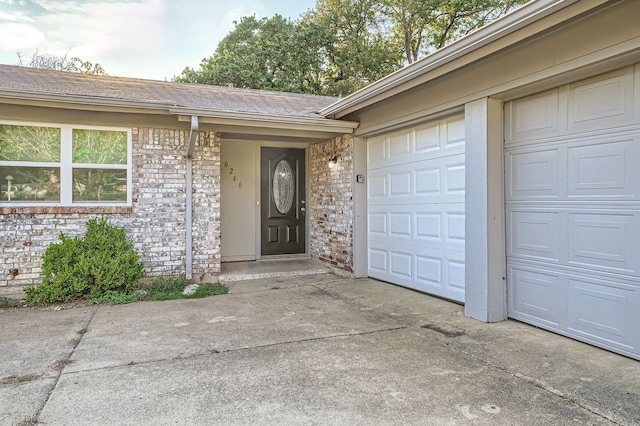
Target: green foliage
point(341, 45)
point(164, 288)
point(103, 260)
point(164, 285)
point(269, 54)
point(113, 297)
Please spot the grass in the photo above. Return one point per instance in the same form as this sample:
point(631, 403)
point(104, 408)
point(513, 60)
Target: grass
point(159, 289)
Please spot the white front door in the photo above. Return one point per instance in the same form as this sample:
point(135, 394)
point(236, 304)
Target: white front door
point(416, 213)
point(573, 210)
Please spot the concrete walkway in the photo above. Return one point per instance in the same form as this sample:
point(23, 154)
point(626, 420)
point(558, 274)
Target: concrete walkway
point(315, 349)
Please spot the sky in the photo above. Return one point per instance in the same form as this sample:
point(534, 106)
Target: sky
point(153, 39)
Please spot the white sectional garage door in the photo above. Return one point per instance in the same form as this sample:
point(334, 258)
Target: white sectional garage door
point(416, 215)
point(573, 210)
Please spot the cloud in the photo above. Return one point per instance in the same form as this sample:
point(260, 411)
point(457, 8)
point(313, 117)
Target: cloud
point(14, 36)
point(143, 38)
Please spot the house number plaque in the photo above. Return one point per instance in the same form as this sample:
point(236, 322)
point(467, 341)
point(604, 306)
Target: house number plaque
point(231, 172)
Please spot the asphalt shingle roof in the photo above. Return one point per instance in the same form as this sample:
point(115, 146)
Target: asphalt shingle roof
point(184, 95)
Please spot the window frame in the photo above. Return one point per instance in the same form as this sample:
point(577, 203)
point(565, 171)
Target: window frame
point(66, 166)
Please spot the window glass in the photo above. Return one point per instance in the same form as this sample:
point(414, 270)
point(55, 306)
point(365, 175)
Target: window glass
point(99, 147)
point(30, 143)
point(24, 184)
point(99, 185)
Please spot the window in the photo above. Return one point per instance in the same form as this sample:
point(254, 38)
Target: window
point(64, 165)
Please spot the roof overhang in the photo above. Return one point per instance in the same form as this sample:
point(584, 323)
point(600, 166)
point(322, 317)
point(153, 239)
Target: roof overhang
point(529, 20)
point(235, 125)
point(93, 103)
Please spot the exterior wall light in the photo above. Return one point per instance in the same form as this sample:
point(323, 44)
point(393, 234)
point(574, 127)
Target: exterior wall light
point(332, 161)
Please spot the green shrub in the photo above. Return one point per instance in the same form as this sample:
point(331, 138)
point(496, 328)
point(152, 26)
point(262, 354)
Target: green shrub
point(102, 261)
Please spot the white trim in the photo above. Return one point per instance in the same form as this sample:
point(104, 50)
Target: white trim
point(267, 121)
point(66, 165)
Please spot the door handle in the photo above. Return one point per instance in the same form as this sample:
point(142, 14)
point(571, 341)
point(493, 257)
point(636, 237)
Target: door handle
point(303, 210)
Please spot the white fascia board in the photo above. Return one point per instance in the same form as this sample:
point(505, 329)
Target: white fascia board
point(229, 118)
point(460, 53)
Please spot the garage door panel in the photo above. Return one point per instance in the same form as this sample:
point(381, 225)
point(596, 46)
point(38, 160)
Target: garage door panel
point(602, 102)
point(378, 224)
point(429, 225)
point(606, 241)
point(534, 234)
point(572, 197)
point(535, 295)
point(378, 263)
point(428, 269)
point(532, 174)
point(400, 184)
point(438, 226)
point(401, 263)
point(429, 181)
point(400, 224)
point(434, 140)
point(376, 151)
point(416, 214)
point(599, 240)
point(593, 169)
point(377, 187)
point(604, 310)
point(400, 144)
point(607, 169)
point(534, 117)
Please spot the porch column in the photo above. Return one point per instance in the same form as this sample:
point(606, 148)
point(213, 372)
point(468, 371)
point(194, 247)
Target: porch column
point(485, 277)
point(360, 265)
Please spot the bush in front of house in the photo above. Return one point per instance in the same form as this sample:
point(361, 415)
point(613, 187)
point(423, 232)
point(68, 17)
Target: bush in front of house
point(102, 261)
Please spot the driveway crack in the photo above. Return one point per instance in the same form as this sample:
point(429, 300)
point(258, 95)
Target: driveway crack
point(546, 388)
point(60, 365)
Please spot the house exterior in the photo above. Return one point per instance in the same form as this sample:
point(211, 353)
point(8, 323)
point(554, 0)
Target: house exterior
point(499, 172)
point(178, 151)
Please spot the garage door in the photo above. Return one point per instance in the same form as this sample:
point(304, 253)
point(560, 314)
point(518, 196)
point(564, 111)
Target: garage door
point(415, 193)
point(573, 210)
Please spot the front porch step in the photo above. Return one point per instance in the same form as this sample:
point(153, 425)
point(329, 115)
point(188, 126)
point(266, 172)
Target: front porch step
point(240, 271)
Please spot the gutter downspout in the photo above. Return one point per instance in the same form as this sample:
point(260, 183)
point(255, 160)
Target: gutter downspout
point(193, 135)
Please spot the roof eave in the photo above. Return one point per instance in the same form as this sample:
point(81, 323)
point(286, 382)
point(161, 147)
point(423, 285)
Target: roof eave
point(81, 102)
point(232, 118)
point(455, 54)
point(247, 119)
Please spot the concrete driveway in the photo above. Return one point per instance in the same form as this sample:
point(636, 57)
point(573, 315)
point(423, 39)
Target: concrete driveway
point(317, 349)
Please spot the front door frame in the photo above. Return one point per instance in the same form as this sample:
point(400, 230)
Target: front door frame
point(258, 217)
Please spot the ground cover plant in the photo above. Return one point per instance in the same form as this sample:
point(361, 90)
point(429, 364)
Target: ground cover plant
point(164, 288)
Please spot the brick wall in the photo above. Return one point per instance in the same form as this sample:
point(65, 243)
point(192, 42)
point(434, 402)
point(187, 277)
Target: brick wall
point(155, 222)
point(331, 220)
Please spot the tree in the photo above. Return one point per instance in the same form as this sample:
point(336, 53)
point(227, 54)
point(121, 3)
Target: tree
point(423, 26)
point(341, 45)
point(358, 51)
point(270, 54)
point(55, 62)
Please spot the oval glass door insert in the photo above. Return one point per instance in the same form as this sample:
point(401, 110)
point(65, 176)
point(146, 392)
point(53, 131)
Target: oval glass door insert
point(283, 187)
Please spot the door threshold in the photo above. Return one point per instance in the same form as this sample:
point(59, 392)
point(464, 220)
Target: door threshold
point(283, 257)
